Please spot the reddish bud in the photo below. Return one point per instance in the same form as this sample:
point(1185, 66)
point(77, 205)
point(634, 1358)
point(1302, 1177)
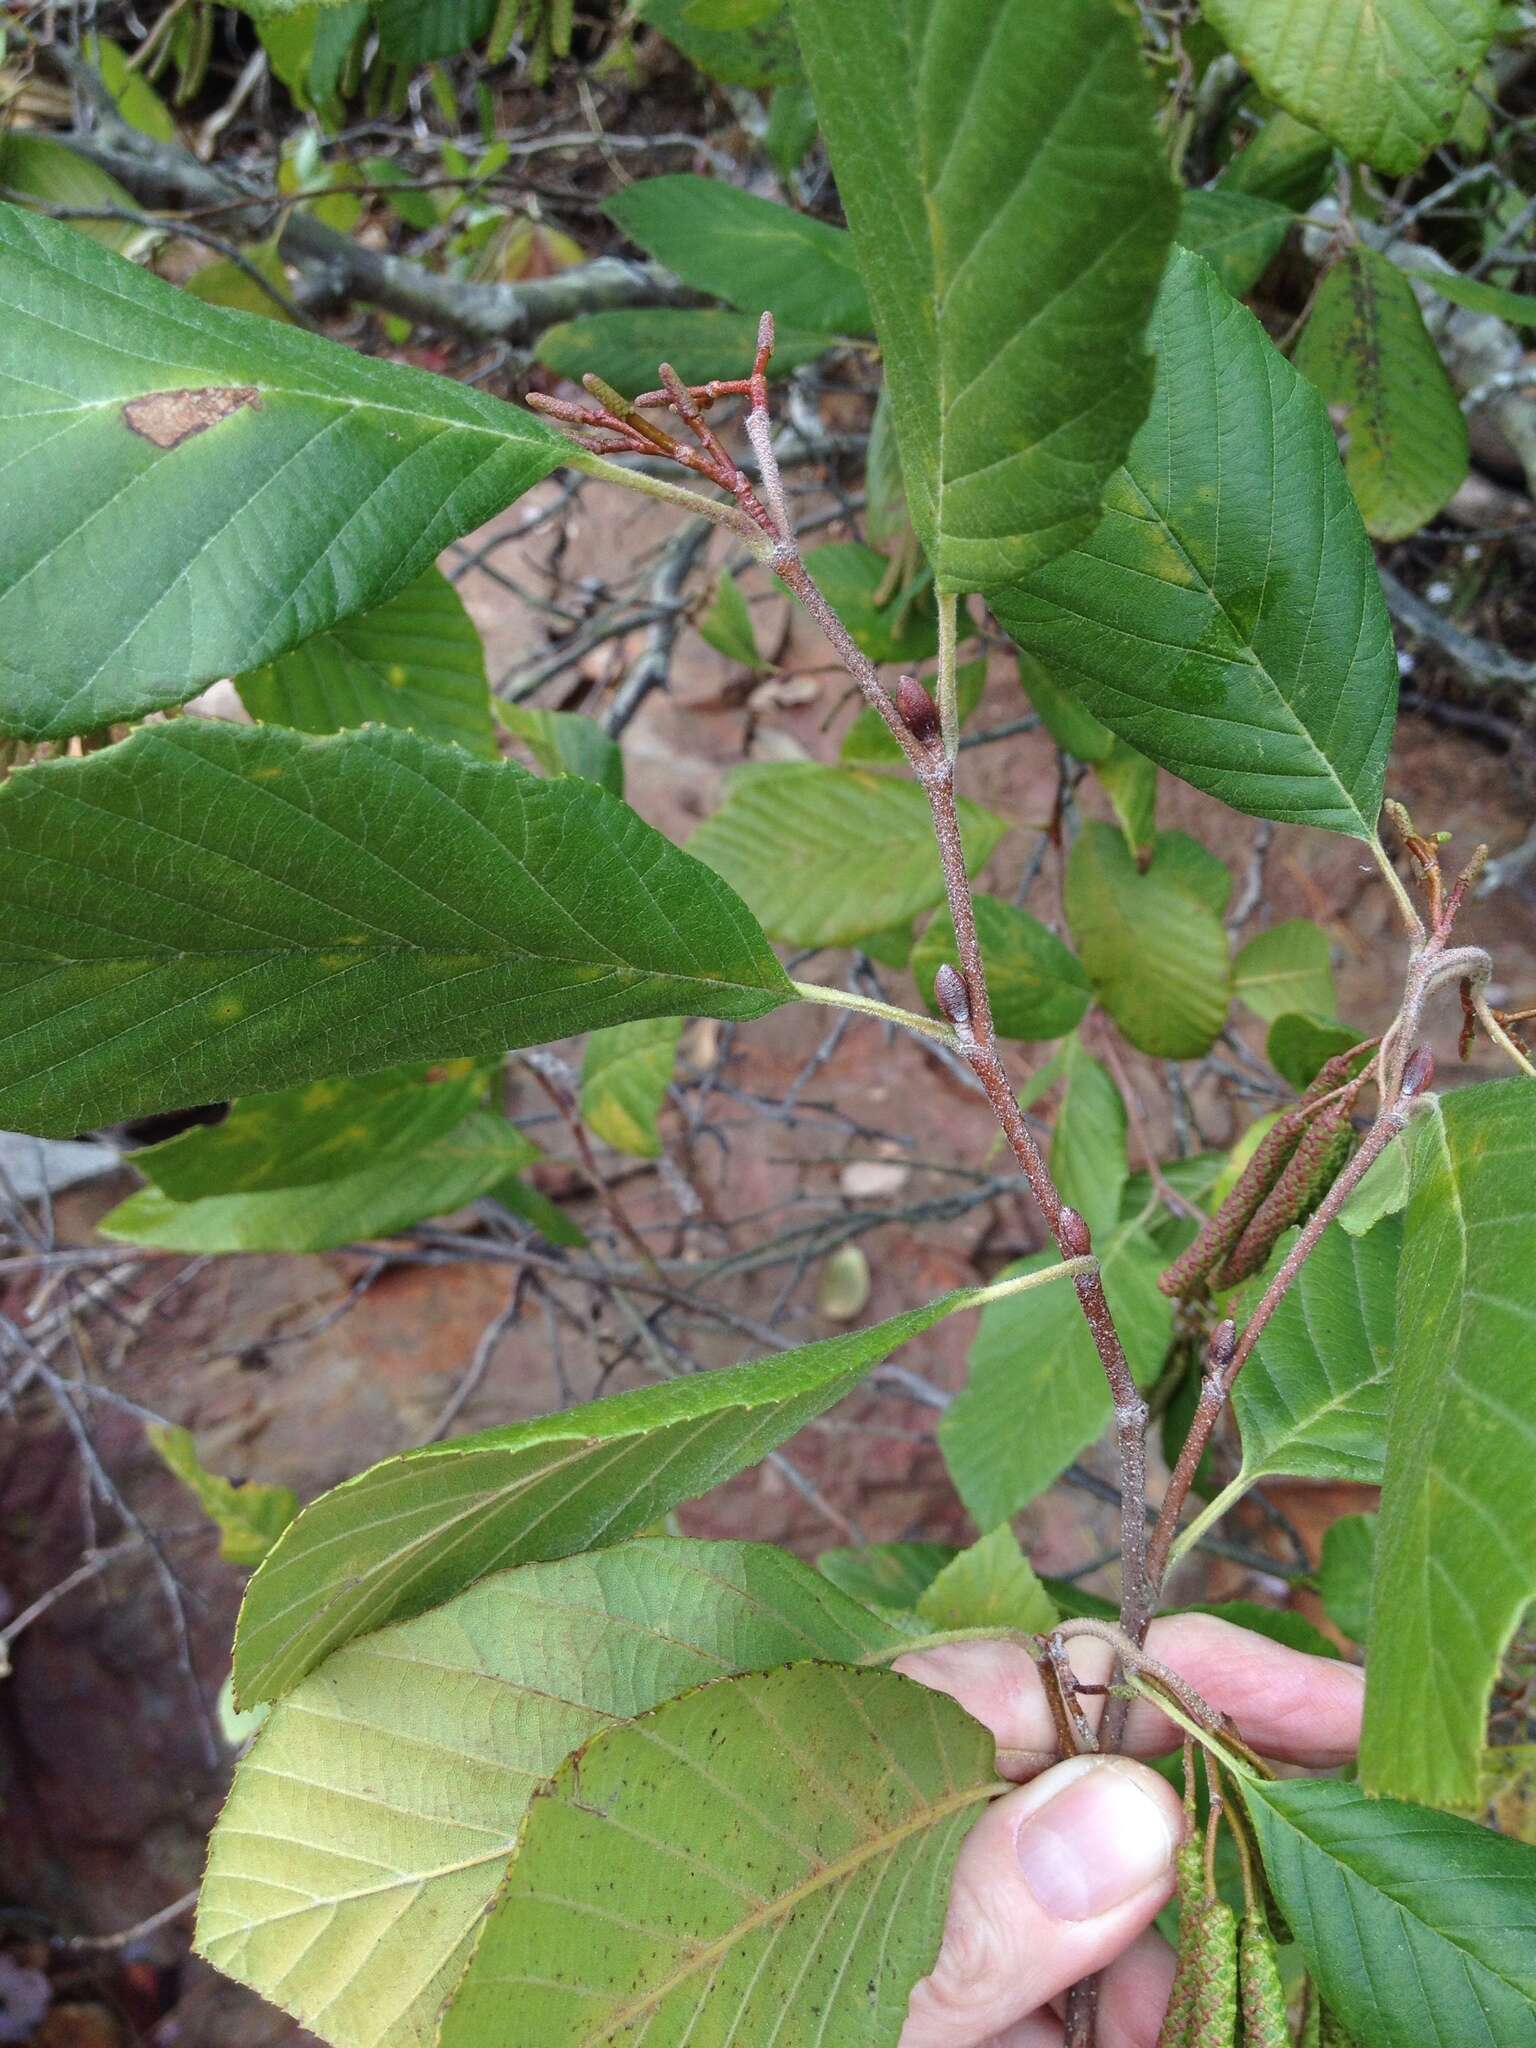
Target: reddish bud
point(1419, 1072)
point(917, 711)
point(1223, 1343)
point(952, 995)
point(1073, 1234)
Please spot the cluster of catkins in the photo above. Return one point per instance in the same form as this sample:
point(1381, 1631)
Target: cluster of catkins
point(1227, 1990)
point(1292, 1168)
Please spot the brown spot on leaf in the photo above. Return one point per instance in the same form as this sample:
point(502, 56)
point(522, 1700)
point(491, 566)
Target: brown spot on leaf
point(167, 418)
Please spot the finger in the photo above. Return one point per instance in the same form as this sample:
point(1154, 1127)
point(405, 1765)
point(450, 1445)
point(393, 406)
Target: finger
point(1289, 1705)
point(1286, 1703)
point(1051, 1884)
point(1133, 1997)
point(1133, 1994)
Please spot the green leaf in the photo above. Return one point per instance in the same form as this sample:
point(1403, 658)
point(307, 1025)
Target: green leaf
point(991, 1585)
point(1286, 161)
point(208, 910)
point(892, 1575)
point(791, 127)
point(901, 631)
point(1226, 617)
point(1385, 82)
point(1038, 988)
point(230, 284)
point(1367, 350)
point(249, 1518)
point(1071, 1599)
point(1280, 1624)
point(1285, 968)
point(885, 495)
point(980, 148)
point(1186, 864)
point(1037, 1394)
point(415, 661)
point(731, 13)
point(627, 348)
point(417, 1529)
point(1312, 1400)
point(40, 168)
point(1383, 1191)
point(762, 52)
point(260, 10)
point(566, 743)
point(624, 1079)
point(1344, 1576)
point(748, 251)
point(134, 97)
point(1129, 780)
point(190, 492)
point(1475, 293)
point(448, 1171)
point(413, 32)
point(308, 48)
point(825, 855)
point(1155, 953)
point(1419, 1928)
point(868, 738)
point(550, 1221)
point(322, 1131)
point(1311, 1403)
point(420, 1746)
point(833, 1803)
point(1299, 1046)
point(1237, 234)
point(1088, 1156)
point(727, 625)
point(1068, 723)
point(1456, 1541)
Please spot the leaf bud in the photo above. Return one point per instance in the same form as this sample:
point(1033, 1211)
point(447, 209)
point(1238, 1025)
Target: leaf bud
point(1073, 1234)
point(1419, 1072)
point(951, 993)
point(917, 711)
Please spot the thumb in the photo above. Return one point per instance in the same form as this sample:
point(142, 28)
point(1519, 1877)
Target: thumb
point(1051, 1884)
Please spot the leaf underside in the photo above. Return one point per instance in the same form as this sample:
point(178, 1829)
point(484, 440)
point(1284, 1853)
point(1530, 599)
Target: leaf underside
point(1456, 1538)
point(371, 1825)
point(417, 1529)
point(767, 1857)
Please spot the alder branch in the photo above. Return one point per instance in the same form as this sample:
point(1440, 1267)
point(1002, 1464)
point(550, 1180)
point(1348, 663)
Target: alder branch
point(1404, 1069)
point(162, 176)
point(615, 425)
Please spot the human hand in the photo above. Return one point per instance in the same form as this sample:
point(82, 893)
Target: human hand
point(1065, 1876)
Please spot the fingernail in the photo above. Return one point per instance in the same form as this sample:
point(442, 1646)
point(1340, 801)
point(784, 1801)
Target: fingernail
point(1094, 1845)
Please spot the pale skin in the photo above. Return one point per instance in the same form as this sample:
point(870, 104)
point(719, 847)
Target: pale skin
point(1065, 1876)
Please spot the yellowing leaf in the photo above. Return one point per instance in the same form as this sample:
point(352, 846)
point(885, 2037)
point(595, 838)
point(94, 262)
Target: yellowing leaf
point(250, 1518)
point(806, 1819)
point(991, 1585)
